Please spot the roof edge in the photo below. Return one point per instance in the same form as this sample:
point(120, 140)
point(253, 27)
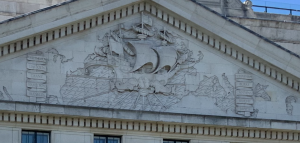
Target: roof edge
point(37, 11)
point(243, 27)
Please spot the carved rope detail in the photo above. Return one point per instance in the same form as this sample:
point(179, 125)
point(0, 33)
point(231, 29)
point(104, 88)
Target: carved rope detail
point(163, 127)
point(215, 43)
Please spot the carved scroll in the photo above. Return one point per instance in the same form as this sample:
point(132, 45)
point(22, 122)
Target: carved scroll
point(244, 93)
point(36, 77)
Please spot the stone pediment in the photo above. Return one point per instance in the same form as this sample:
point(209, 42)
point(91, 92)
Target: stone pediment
point(161, 56)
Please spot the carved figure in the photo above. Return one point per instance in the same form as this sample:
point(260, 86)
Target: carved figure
point(248, 4)
point(260, 91)
point(8, 96)
point(289, 107)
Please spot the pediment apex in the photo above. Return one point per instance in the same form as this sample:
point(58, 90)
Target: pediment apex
point(193, 18)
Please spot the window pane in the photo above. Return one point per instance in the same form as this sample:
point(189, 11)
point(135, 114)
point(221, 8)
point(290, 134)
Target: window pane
point(42, 137)
point(113, 140)
point(107, 139)
point(99, 139)
point(168, 141)
point(28, 137)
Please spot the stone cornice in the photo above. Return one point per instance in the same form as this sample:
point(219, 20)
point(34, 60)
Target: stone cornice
point(115, 119)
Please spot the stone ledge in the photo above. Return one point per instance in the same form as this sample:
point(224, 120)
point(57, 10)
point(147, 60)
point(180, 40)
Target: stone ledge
point(93, 112)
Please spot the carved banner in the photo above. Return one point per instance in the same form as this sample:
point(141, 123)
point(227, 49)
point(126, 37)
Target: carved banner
point(244, 93)
point(245, 108)
point(243, 76)
point(244, 84)
point(36, 67)
point(36, 94)
point(37, 59)
point(36, 85)
point(36, 77)
point(244, 101)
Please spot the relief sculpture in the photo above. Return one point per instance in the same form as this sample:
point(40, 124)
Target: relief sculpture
point(143, 67)
point(140, 66)
point(36, 77)
point(5, 95)
point(138, 71)
point(288, 101)
point(238, 98)
point(244, 93)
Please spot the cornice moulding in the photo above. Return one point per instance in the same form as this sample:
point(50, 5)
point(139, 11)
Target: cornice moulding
point(115, 119)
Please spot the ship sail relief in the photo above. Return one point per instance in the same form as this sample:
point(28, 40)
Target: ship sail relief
point(163, 57)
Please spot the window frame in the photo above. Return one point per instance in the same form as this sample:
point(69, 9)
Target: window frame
point(107, 136)
point(35, 134)
point(175, 140)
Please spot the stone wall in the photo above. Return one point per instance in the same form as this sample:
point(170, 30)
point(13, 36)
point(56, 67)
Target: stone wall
point(12, 8)
point(281, 29)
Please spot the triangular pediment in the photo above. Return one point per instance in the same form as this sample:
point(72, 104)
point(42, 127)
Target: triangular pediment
point(166, 56)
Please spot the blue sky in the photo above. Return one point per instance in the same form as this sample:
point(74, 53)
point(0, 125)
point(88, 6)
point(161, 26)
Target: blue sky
point(290, 4)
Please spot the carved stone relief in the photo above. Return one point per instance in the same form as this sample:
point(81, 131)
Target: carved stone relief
point(136, 66)
point(36, 77)
point(5, 94)
point(289, 107)
point(144, 66)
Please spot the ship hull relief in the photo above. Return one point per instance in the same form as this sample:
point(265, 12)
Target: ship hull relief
point(141, 64)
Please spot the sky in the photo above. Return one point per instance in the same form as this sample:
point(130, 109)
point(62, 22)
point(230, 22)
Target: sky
point(290, 4)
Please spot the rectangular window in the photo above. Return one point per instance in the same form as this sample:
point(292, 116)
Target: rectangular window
point(107, 139)
point(35, 137)
point(175, 141)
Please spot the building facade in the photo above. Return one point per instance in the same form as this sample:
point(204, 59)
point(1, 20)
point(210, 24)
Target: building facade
point(144, 71)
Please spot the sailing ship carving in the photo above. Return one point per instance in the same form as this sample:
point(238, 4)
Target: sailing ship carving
point(132, 65)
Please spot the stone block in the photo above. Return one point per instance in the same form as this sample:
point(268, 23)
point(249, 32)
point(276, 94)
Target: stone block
point(170, 117)
point(27, 107)
point(193, 119)
point(26, 7)
point(259, 123)
point(148, 116)
point(138, 139)
point(10, 106)
point(106, 113)
point(210, 120)
point(10, 135)
point(283, 125)
point(52, 109)
point(8, 7)
point(238, 122)
point(77, 111)
point(74, 137)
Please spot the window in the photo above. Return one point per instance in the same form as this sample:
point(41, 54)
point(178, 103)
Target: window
point(175, 141)
point(35, 137)
point(107, 139)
